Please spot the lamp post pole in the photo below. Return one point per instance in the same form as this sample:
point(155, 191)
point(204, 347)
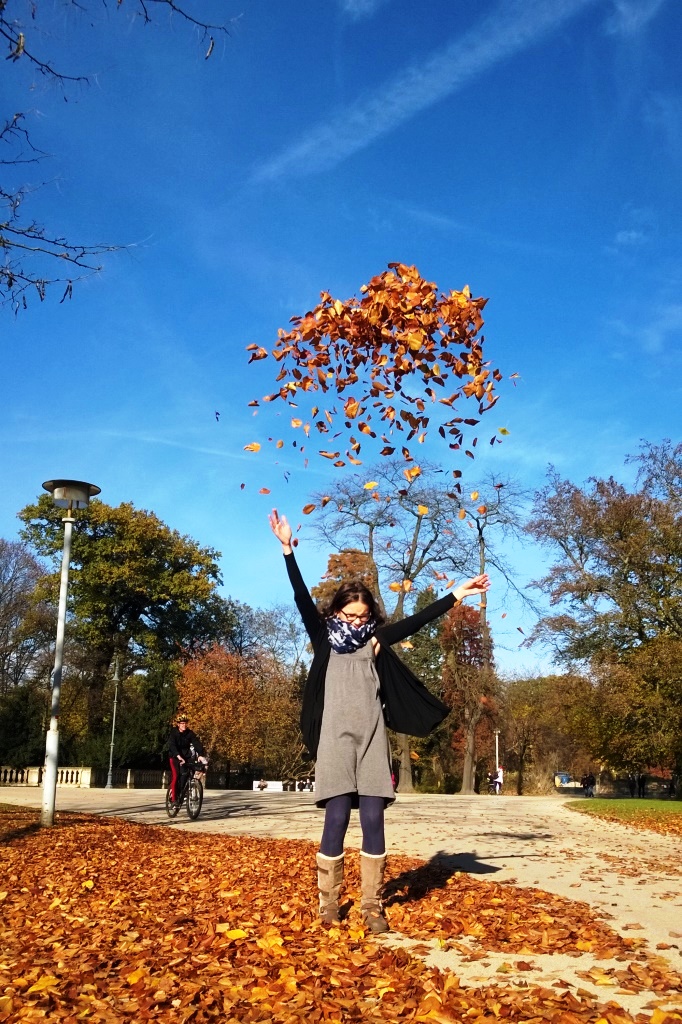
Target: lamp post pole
point(110, 783)
point(68, 494)
point(497, 749)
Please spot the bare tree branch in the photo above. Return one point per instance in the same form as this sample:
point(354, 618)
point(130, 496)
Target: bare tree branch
point(29, 253)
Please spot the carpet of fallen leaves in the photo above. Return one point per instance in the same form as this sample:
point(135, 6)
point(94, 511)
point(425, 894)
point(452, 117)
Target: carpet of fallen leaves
point(667, 820)
point(106, 920)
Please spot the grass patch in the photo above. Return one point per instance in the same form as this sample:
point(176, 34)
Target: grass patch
point(664, 816)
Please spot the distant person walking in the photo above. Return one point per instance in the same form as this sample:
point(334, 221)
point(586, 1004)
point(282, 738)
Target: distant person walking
point(641, 785)
point(590, 783)
point(632, 784)
point(499, 780)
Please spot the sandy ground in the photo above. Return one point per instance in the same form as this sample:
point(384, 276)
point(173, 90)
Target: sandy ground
point(632, 879)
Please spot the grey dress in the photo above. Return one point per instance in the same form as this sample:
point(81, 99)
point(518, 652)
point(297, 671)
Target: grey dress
point(354, 754)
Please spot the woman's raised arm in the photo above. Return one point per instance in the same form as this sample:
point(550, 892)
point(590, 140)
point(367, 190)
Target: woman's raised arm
point(304, 602)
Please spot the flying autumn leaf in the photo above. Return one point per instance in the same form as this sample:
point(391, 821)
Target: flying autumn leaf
point(370, 485)
point(253, 447)
point(503, 431)
point(482, 509)
point(264, 490)
point(307, 509)
point(422, 510)
point(462, 514)
point(474, 495)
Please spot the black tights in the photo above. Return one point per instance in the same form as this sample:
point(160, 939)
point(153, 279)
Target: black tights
point(336, 818)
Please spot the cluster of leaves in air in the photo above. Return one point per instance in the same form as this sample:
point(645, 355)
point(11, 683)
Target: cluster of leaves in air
point(107, 920)
point(397, 360)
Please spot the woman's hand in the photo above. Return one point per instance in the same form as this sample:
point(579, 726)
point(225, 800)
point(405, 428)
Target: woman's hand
point(281, 529)
point(477, 585)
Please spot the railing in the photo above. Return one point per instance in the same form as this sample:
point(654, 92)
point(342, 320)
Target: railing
point(13, 776)
point(72, 777)
point(121, 778)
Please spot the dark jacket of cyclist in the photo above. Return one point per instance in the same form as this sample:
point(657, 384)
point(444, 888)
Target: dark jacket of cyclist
point(180, 742)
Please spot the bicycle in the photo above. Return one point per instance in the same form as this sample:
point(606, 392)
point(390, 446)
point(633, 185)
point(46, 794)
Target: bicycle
point(191, 791)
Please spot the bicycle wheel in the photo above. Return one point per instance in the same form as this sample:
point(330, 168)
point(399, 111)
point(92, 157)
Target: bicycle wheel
point(171, 808)
point(195, 798)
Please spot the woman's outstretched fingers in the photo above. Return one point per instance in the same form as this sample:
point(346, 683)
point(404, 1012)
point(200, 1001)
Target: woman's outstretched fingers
point(476, 585)
point(280, 527)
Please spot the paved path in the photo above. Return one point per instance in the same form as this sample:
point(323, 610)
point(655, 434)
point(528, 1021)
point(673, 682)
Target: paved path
point(632, 878)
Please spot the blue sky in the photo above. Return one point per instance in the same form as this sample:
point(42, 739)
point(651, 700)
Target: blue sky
point(530, 149)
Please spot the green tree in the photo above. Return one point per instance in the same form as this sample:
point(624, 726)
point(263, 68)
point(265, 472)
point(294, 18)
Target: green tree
point(26, 625)
point(617, 577)
point(425, 656)
point(137, 588)
point(470, 680)
point(617, 584)
point(545, 723)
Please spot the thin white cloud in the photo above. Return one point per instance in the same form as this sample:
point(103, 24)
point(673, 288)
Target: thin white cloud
point(661, 334)
point(358, 9)
point(631, 16)
point(664, 113)
point(663, 330)
point(511, 28)
point(443, 222)
point(630, 237)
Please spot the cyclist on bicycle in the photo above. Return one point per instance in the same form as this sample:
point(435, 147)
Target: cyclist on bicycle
point(184, 745)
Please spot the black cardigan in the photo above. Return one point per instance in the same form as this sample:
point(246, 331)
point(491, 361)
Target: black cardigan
point(408, 706)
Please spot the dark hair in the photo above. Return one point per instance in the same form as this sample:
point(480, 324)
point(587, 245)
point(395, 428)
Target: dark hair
point(351, 591)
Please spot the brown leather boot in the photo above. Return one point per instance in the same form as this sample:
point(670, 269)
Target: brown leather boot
point(329, 879)
point(372, 882)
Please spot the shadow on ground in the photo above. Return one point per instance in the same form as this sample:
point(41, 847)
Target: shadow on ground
point(413, 885)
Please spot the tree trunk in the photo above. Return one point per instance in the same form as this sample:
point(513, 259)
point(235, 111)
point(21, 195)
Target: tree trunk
point(522, 765)
point(471, 720)
point(405, 784)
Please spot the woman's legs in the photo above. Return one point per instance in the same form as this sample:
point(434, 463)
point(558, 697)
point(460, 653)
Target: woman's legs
point(372, 862)
point(336, 818)
point(372, 824)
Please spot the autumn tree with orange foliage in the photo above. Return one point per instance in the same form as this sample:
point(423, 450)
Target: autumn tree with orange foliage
point(347, 564)
point(244, 709)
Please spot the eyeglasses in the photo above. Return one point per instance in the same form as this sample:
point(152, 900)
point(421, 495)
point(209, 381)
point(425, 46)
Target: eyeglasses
point(345, 617)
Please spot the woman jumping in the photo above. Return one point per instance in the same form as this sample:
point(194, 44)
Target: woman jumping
point(356, 687)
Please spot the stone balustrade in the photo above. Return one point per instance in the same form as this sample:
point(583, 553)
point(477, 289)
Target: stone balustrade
point(80, 778)
point(121, 778)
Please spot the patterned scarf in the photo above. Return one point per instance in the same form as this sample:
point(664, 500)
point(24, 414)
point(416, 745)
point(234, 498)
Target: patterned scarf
point(345, 637)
